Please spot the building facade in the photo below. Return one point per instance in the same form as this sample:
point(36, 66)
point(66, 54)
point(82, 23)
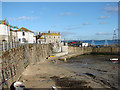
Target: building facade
point(51, 37)
point(25, 35)
point(13, 36)
point(41, 40)
point(4, 32)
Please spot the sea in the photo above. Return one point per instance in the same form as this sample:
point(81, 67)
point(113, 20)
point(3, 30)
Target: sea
point(98, 42)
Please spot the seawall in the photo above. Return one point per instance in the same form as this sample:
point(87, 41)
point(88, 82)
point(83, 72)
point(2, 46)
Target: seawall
point(106, 50)
point(80, 50)
point(75, 51)
point(94, 50)
point(14, 61)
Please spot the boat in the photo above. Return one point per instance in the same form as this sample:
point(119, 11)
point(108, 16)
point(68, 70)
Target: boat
point(114, 59)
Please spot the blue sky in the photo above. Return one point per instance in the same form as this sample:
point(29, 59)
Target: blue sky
point(75, 20)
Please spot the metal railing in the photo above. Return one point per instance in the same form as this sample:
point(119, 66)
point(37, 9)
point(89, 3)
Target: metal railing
point(8, 45)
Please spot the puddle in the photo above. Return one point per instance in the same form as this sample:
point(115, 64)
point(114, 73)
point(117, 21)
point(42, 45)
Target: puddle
point(66, 82)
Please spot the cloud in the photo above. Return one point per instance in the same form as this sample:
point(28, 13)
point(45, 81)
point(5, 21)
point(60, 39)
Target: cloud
point(41, 13)
point(86, 23)
point(102, 33)
point(103, 17)
point(26, 18)
point(69, 14)
point(23, 18)
point(68, 28)
point(53, 26)
point(64, 34)
point(32, 12)
point(13, 19)
point(111, 9)
point(66, 14)
point(72, 25)
point(45, 8)
point(72, 28)
point(108, 4)
point(104, 22)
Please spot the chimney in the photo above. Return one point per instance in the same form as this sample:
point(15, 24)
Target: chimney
point(59, 33)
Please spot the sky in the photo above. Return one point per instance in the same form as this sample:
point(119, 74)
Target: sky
point(75, 20)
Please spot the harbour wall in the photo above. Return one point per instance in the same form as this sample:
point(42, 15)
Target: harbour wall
point(80, 50)
point(95, 50)
point(106, 50)
point(14, 61)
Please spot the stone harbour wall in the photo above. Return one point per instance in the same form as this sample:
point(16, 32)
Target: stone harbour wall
point(95, 50)
point(14, 61)
point(106, 50)
point(80, 50)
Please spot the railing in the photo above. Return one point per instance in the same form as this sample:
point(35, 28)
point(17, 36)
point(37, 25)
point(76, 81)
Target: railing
point(8, 45)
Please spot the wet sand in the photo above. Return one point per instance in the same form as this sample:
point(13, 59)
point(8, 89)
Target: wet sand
point(98, 66)
point(77, 74)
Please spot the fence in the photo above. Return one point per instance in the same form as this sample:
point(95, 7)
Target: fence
point(8, 45)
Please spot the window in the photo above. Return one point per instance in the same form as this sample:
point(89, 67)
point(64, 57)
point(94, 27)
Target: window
point(19, 39)
point(23, 33)
point(49, 36)
point(23, 39)
point(54, 36)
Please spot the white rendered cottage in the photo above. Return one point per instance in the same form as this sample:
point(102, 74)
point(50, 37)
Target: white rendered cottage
point(34, 39)
point(25, 35)
point(13, 36)
point(4, 32)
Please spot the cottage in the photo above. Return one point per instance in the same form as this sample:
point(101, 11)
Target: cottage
point(34, 39)
point(25, 35)
point(41, 40)
point(13, 36)
point(4, 31)
point(51, 37)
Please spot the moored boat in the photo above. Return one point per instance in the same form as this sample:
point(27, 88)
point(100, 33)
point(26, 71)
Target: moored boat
point(114, 59)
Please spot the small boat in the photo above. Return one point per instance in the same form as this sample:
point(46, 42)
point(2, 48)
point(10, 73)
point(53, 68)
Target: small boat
point(114, 59)
point(54, 88)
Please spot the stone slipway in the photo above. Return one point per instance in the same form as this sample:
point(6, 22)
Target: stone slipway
point(63, 56)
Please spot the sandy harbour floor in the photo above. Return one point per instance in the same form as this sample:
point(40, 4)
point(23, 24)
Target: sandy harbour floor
point(46, 74)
